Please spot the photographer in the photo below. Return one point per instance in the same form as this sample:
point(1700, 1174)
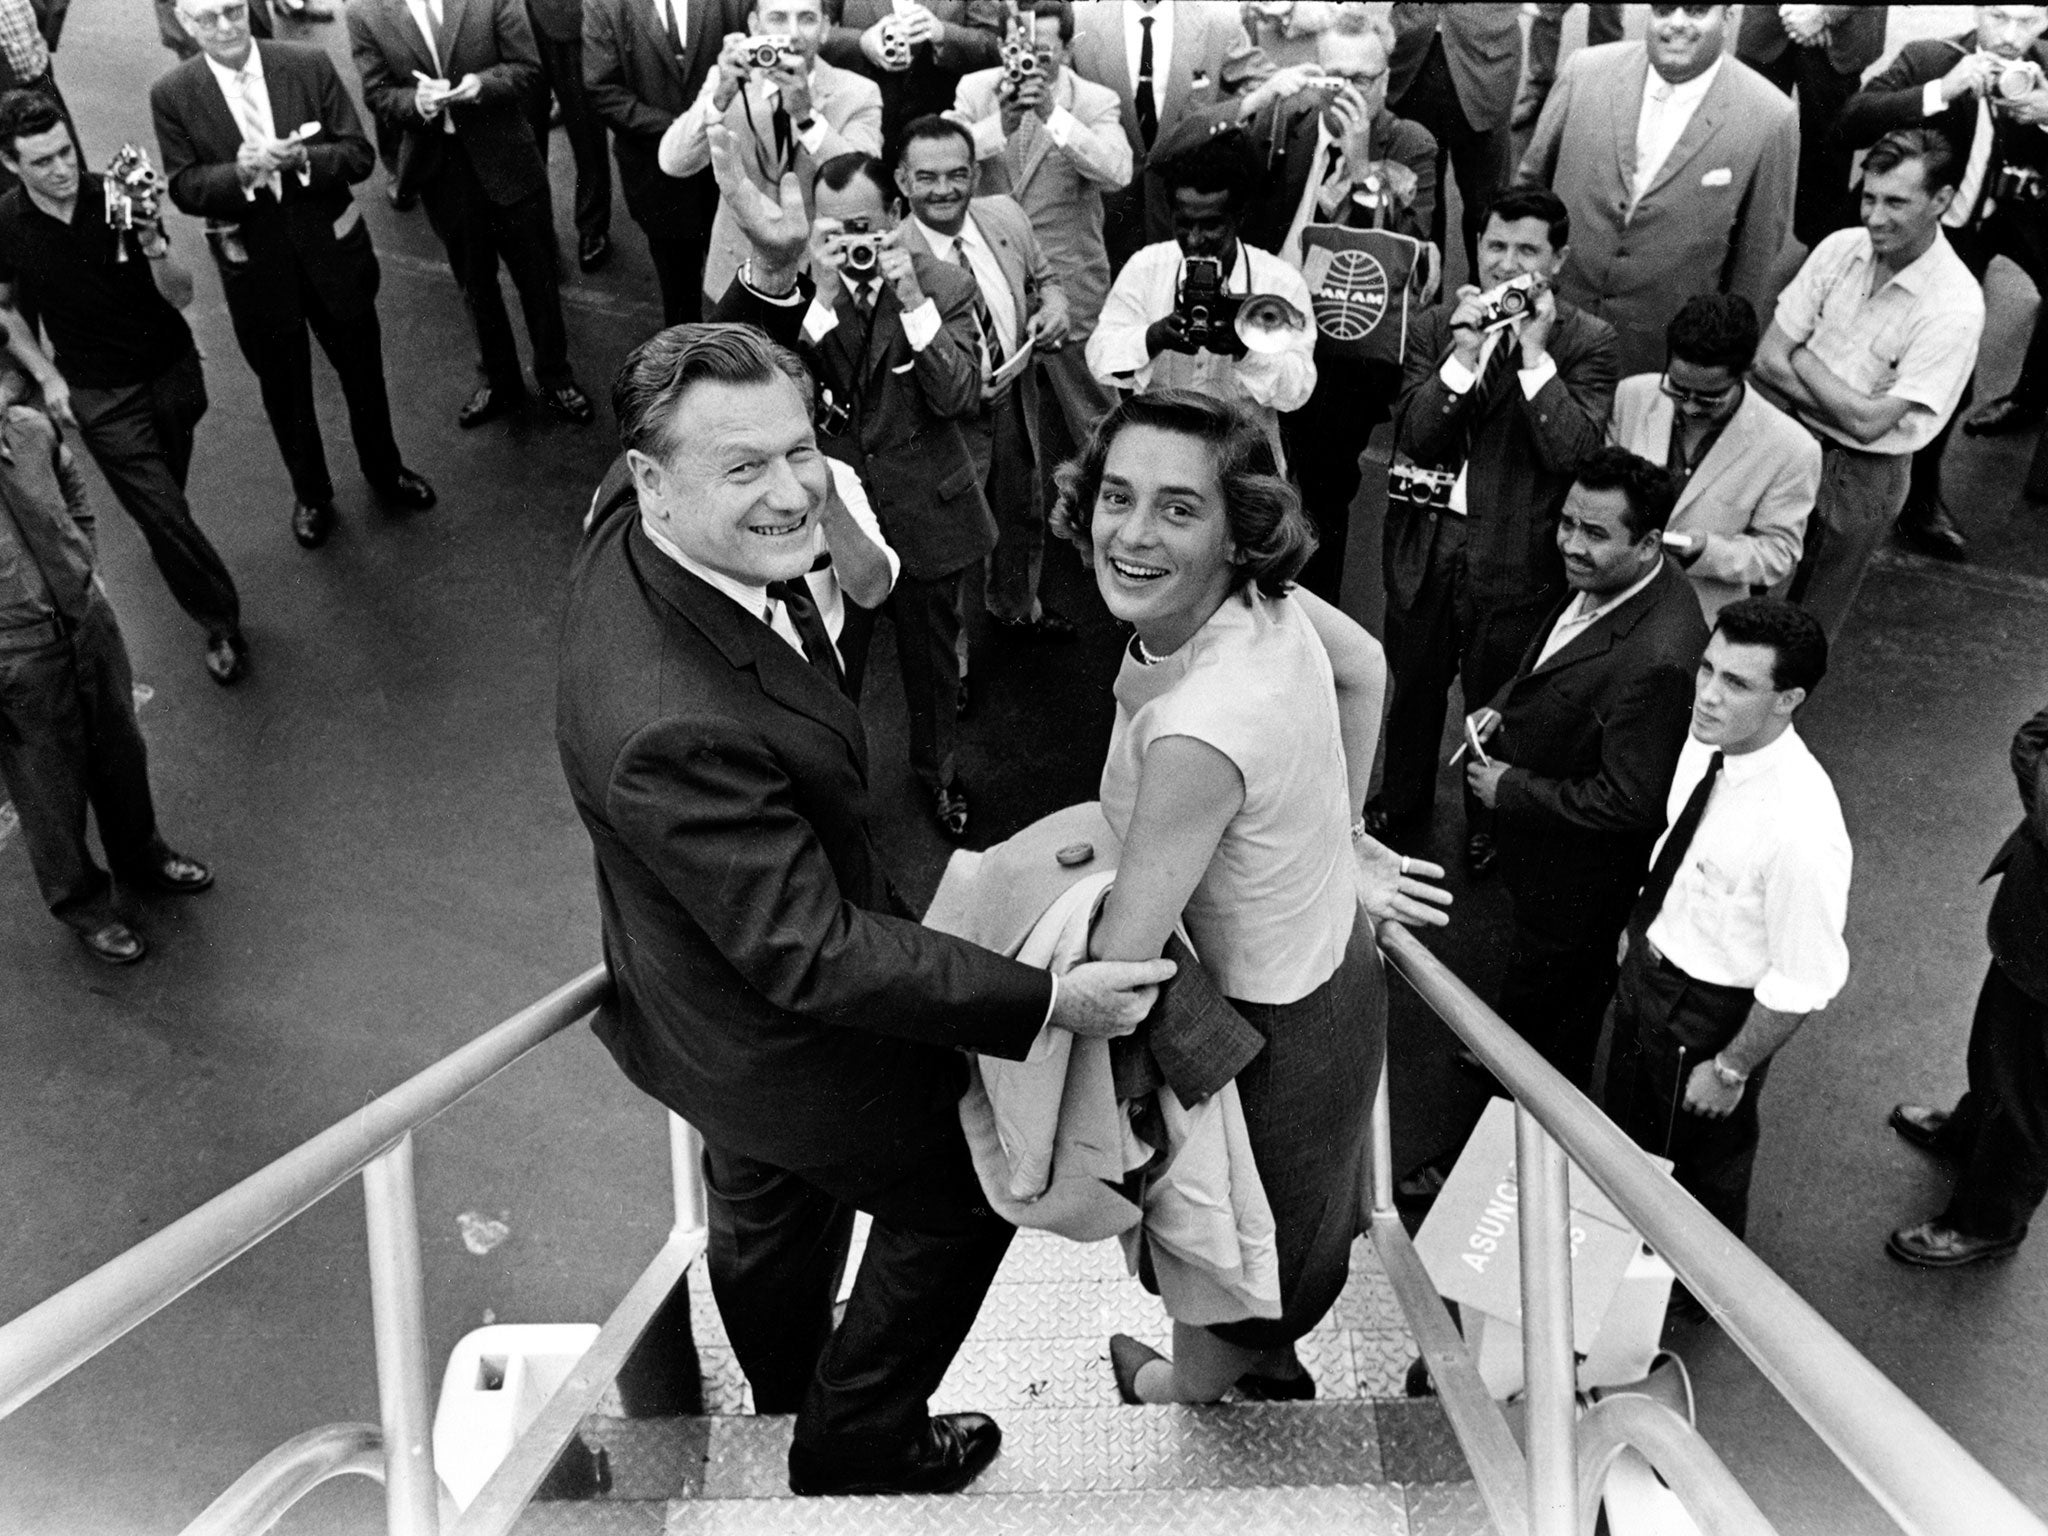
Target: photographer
point(1152, 335)
point(915, 53)
point(788, 112)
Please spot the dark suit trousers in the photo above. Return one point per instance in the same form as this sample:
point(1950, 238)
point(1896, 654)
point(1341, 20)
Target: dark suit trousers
point(1483, 161)
point(140, 435)
point(69, 743)
point(1560, 969)
point(1999, 1131)
point(274, 307)
point(1665, 1025)
point(1324, 441)
point(927, 619)
point(1824, 203)
point(477, 233)
point(1546, 33)
point(561, 68)
point(1011, 482)
point(678, 249)
point(779, 1240)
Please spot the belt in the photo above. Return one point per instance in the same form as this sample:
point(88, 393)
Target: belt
point(1657, 959)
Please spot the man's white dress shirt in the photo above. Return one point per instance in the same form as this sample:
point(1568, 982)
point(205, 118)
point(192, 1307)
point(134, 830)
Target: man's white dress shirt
point(1666, 113)
point(988, 274)
point(248, 97)
point(1162, 50)
point(1584, 609)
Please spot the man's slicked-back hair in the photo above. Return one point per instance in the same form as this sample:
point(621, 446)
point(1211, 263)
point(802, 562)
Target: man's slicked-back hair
point(1714, 330)
point(666, 364)
point(1799, 645)
point(1939, 166)
point(1220, 163)
point(1061, 11)
point(1534, 203)
point(933, 126)
point(838, 173)
point(25, 115)
point(1646, 488)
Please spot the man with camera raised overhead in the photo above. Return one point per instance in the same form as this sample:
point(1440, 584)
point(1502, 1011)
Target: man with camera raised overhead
point(915, 52)
point(788, 112)
point(1197, 311)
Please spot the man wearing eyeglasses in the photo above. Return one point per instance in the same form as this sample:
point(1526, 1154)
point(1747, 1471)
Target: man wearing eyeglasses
point(1746, 473)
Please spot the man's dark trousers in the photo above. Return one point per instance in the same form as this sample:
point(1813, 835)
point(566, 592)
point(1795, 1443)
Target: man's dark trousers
point(477, 233)
point(1999, 1130)
point(1483, 162)
point(1324, 441)
point(1665, 1025)
point(679, 257)
point(1825, 202)
point(1013, 489)
point(927, 619)
point(69, 742)
point(778, 1245)
point(140, 435)
point(561, 69)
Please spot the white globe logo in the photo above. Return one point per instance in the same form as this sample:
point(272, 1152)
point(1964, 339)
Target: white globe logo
point(1352, 297)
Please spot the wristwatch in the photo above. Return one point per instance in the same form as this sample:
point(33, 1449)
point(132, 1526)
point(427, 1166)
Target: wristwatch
point(1727, 1075)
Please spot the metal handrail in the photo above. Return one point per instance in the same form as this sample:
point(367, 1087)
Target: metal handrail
point(261, 1496)
point(1715, 1501)
point(1923, 1479)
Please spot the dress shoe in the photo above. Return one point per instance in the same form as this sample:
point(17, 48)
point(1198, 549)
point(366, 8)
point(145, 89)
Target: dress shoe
point(569, 403)
point(489, 403)
point(404, 202)
point(593, 251)
point(1480, 853)
point(409, 490)
point(2005, 414)
point(1127, 1356)
point(312, 524)
point(227, 659)
point(949, 805)
point(1049, 628)
point(1925, 1127)
point(114, 942)
point(1934, 1246)
point(1418, 1191)
point(1254, 1388)
point(1929, 528)
point(955, 1448)
point(171, 874)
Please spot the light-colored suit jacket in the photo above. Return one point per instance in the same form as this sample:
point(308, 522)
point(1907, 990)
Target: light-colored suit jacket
point(850, 108)
point(1058, 186)
point(1714, 220)
point(1750, 496)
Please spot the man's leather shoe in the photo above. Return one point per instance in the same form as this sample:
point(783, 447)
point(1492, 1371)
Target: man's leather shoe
point(488, 403)
point(2005, 414)
point(404, 202)
point(1934, 1246)
point(955, 1448)
point(1050, 628)
point(950, 807)
point(312, 524)
point(1924, 1126)
point(1929, 528)
point(1418, 1191)
point(569, 403)
point(1480, 853)
point(114, 942)
point(593, 251)
point(1127, 1357)
point(227, 659)
point(1298, 1388)
point(172, 874)
point(409, 490)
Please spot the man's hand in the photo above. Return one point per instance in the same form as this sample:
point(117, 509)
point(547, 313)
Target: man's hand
point(467, 91)
point(777, 228)
point(1685, 548)
point(1393, 889)
point(920, 25)
point(900, 272)
point(1466, 335)
point(1032, 95)
point(793, 84)
point(1398, 182)
point(253, 162)
point(1806, 25)
point(1354, 131)
point(1536, 329)
point(1485, 723)
point(57, 399)
point(1704, 1094)
point(427, 99)
point(2030, 109)
point(733, 69)
point(1108, 998)
point(1049, 326)
point(875, 53)
point(1278, 86)
point(1483, 779)
point(1973, 75)
point(1167, 335)
point(826, 257)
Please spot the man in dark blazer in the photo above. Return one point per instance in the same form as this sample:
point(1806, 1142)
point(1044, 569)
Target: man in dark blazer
point(1470, 579)
point(916, 54)
point(770, 987)
point(292, 249)
point(897, 357)
point(1819, 51)
point(1455, 70)
point(1950, 84)
point(641, 75)
point(458, 89)
point(558, 39)
point(1997, 1135)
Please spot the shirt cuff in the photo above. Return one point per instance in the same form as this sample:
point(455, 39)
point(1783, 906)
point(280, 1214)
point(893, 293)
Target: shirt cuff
point(821, 317)
point(1334, 194)
point(1789, 994)
point(1051, 1003)
point(249, 192)
point(788, 300)
point(1458, 379)
point(1931, 104)
point(305, 176)
point(1063, 127)
point(811, 134)
point(1533, 379)
point(988, 137)
point(921, 324)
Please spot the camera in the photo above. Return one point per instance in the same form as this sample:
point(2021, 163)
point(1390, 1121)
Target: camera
point(1511, 300)
point(1421, 487)
point(2018, 77)
point(860, 249)
point(895, 44)
point(1020, 62)
point(134, 191)
point(1207, 315)
point(770, 50)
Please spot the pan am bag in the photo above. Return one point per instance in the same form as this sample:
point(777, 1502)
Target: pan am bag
point(1365, 284)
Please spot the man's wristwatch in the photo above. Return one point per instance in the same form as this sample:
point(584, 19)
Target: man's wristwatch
point(1727, 1076)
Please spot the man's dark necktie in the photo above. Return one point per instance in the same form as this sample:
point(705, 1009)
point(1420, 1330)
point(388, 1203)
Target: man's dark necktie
point(992, 353)
point(783, 137)
point(1672, 855)
point(819, 650)
point(1146, 103)
point(670, 30)
point(1493, 376)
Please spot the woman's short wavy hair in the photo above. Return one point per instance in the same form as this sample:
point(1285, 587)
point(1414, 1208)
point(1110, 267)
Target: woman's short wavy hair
point(1274, 537)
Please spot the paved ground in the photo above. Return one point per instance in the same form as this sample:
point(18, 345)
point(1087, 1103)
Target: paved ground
point(400, 867)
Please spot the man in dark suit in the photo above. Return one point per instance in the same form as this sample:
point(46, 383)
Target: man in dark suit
point(1456, 69)
point(915, 53)
point(642, 70)
point(896, 352)
point(455, 76)
point(1997, 1135)
point(1505, 417)
point(1819, 51)
point(1952, 86)
point(291, 246)
point(558, 38)
point(770, 987)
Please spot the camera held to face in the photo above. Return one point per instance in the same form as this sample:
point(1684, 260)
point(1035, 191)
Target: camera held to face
point(895, 44)
point(860, 249)
point(2013, 78)
point(773, 50)
point(134, 192)
point(1207, 315)
point(1020, 62)
point(1506, 303)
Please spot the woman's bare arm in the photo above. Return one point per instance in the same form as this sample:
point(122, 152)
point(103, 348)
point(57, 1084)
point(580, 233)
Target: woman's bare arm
point(1187, 793)
point(1360, 669)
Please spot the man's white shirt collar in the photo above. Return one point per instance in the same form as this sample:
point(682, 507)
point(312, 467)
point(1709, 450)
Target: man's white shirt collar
point(750, 597)
point(1687, 93)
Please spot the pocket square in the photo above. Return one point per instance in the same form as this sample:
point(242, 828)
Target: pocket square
point(1719, 177)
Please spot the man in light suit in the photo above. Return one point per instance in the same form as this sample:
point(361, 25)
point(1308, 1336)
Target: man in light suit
point(788, 118)
point(1456, 69)
point(558, 38)
point(1678, 166)
point(916, 53)
point(769, 985)
point(1056, 143)
point(1161, 60)
point(1022, 310)
point(1747, 473)
point(454, 77)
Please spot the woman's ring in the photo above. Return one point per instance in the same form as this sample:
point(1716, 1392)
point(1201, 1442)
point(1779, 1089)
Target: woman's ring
point(1404, 866)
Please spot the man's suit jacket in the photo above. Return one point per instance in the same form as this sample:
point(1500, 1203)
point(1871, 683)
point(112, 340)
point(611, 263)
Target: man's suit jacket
point(1714, 220)
point(970, 37)
point(2018, 928)
point(1751, 495)
point(316, 230)
point(490, 39)
point(560, 20)
point(897, 415)
point(1482, 45)
point(1855, 37)
point(1522, 462)
point(638, 85)
point(1893, 99)
point(770, 987)
point(1060, 190)
point(1593, 737)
